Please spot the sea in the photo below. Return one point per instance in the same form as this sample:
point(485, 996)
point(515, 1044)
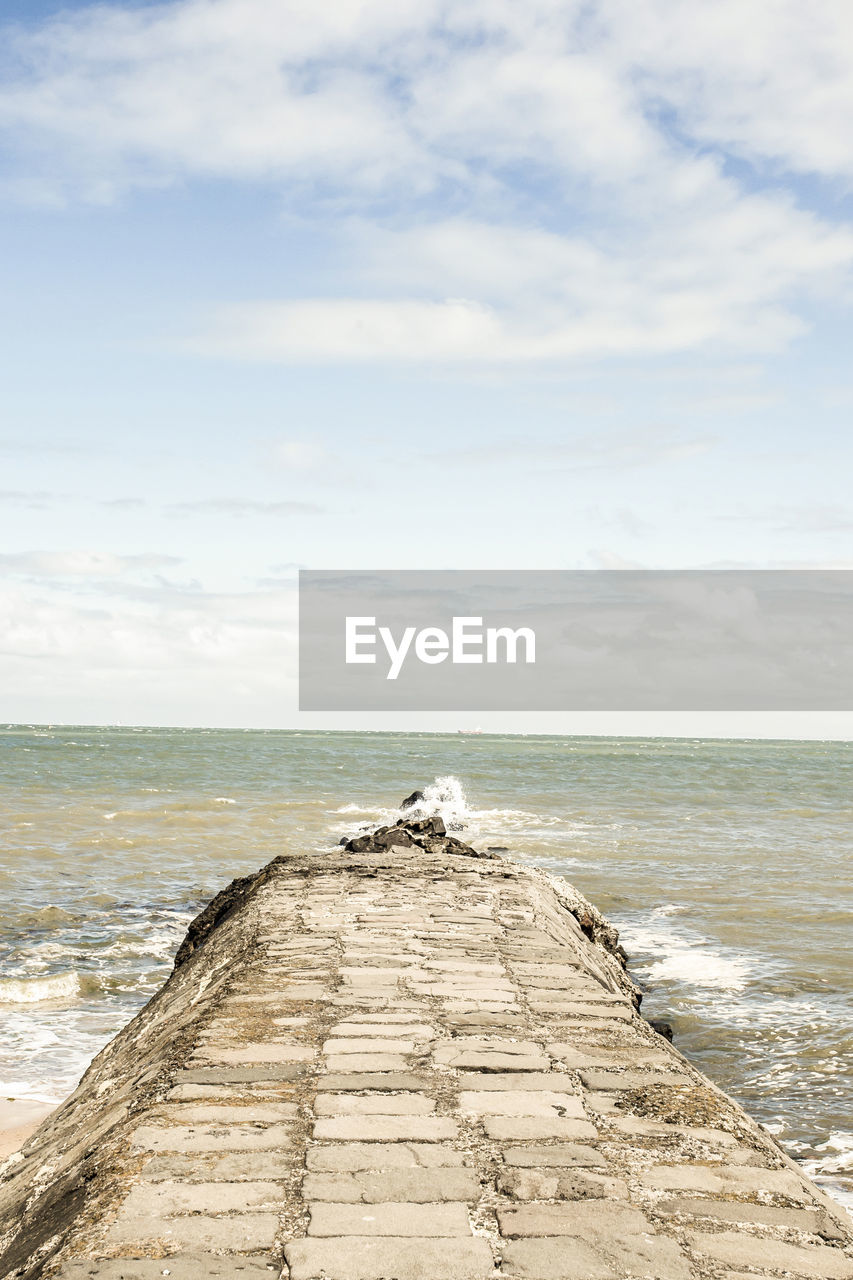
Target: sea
point(724, 864)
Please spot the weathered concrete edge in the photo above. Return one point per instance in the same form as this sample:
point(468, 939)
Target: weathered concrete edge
point(63, 1173)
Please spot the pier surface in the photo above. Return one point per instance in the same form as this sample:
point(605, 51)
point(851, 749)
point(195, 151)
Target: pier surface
point(404, 1066)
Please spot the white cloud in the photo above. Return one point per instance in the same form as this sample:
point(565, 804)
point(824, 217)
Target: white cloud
point(191, 657)
point(297, 455)
point(83, 564)
point(585, 148)
point(367, 92)
point(36, 499)
point(240, 507)
point(769, 80)
point(614, 451)
point(727, 276)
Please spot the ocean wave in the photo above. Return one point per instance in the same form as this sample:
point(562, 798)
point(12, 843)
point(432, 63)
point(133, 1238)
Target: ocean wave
point(700, 966)
point(445, 798)
point(833, 1169)
point(50, 915)
point(772, 1011)
point(664, 955)
point(36, 990)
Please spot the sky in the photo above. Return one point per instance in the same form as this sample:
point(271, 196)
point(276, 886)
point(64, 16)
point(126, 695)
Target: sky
point(420, 284)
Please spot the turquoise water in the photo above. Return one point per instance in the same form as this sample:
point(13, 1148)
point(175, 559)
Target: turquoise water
point(724, 864)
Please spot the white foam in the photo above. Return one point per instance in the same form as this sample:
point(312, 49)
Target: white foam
point(665, 955)
point(701, 966)
point(837, 1152)
point(444, 797)
point(58, 986)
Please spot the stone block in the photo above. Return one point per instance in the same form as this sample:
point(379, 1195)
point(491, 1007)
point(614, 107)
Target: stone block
point(577, 1259)
point(388, 1219)
point(387, 1018)
point(365, 1062)
point(568, 1155)
point(385, 1031)
point(808, 1220)
point(636, 1126)
point(365, 1258)
point(385, 1129)
point(551, 1081)
point(271, 1074)
point(586, 1220)
point(626, 1079)
point(219, 1138)
point(738, 1249)
point(238, 1166)
point(503, 1020)
point(379, 1104)
point(363, 975)
point(590, 1057)
point(722, 1178)
point(557, 1184)
point(247, 1054)
point(486, 1102)
point(531, 1129)
point(485, 1044)
point(621, 1012)
point(358, 1081)
point(364, 1044)
point(485, 1060)
point(236, 1233)
point(428, 1186)
point(162, 1199)
point(565, 972)
point(180, 1266)
point(263, 1094)
point(225, 1113)
point(354, 1156)
point(283, 994)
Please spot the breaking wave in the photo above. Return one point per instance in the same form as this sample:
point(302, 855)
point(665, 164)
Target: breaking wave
point(58, 986)
point(444, 797)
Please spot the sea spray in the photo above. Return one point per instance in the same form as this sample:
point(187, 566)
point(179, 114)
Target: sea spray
point(444, 797)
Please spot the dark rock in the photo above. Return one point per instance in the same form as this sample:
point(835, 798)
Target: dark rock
point(662, 1028)
point(426, 826)
point(596, 928)
point(587, 925)
point(429, 834)
point(382, 838)
point(412, 800)
point(497, 848)
point(222, 906)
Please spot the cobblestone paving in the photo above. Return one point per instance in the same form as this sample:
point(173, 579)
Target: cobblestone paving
point(421, 1069)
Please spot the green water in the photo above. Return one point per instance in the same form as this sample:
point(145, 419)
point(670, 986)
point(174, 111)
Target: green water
point(725, 864)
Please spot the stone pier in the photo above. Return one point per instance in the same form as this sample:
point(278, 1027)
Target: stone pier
point(405, 1065)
